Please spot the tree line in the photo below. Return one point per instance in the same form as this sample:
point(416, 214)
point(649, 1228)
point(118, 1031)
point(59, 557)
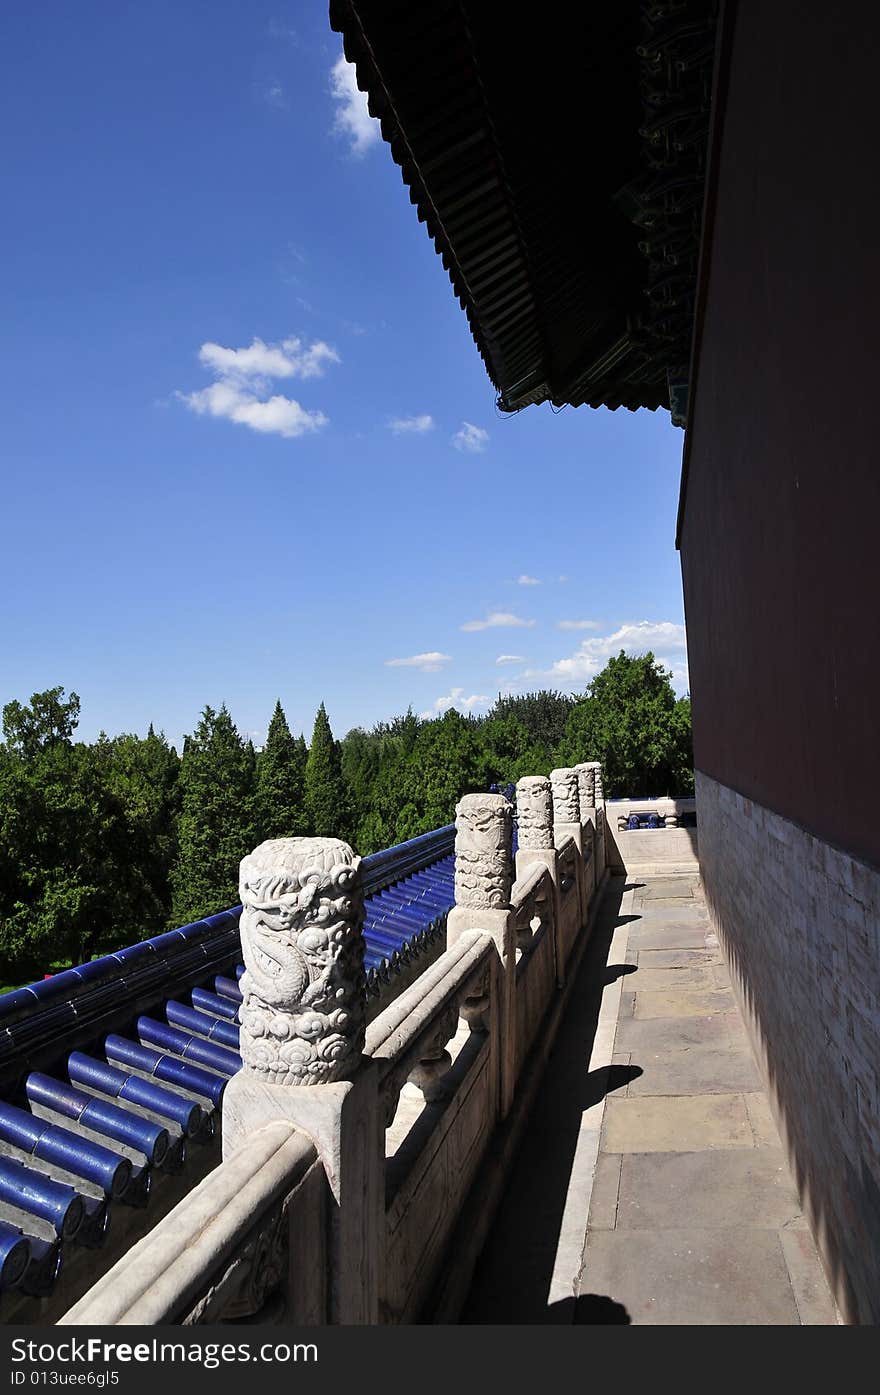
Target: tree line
point(105, 843)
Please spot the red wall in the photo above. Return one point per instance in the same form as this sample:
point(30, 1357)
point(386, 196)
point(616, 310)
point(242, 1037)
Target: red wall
point(781, 516)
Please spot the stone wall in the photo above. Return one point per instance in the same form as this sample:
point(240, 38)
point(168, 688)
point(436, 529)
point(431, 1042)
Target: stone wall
point(799, 922)
point(672, 849)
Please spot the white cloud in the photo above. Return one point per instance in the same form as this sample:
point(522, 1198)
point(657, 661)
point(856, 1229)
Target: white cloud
point(470, 438)
point(681, 680)
point(455, 699)
point(498, 620)
point(428, 663)
point(577, 624)
point(417, 426)
point(352, 115)
point(510, 659)
point(635, 637)
point(277, 415)
point(242, 392)
point(289, 359)
point(526, 580)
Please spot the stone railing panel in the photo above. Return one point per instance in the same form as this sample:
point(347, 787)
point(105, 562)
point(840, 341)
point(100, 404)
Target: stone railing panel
point(224, 1252)
point(534, 913)
point(437, 1057)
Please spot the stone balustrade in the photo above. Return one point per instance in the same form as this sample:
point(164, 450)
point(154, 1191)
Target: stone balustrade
point(362, 1163)
point(647, 833)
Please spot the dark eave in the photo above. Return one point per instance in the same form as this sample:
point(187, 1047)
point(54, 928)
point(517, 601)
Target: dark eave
point(556, 159)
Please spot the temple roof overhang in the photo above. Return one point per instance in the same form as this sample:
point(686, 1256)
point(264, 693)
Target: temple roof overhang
point(557, 159)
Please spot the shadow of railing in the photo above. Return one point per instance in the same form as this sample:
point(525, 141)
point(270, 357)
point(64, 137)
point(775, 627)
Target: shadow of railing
point(513, 1275)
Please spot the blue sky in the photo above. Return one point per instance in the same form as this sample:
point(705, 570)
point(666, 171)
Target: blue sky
point(251, 451)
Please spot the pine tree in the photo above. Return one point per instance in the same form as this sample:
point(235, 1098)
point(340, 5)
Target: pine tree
point(280, 777)
point(217, 825)
point(327, 803)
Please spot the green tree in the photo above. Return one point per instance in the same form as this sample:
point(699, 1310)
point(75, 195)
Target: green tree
point(47, 720)
point(444, 764)
point(361, 754)
point(217, 825)
point(328, 807)
point(280, 782)
point(630, 720)
point(142, 775)
point(86, 835)
point(507, 751)
point(543, 715)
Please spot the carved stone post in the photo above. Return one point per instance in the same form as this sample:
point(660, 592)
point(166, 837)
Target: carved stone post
point(566, 802)
point(567, 824)
point(302, 1035)
point(483, 880)
point(586, 775)
point(601, 859)
point(303, 1012)
point(596, 767)
point(534, 809)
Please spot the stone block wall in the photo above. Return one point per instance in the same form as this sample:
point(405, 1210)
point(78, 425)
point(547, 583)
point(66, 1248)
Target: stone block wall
point(800, 924)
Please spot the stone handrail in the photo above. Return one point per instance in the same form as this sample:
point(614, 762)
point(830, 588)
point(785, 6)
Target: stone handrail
point(409, 1044)
point(528, 885)
point(533, 903)
point(224, 1250)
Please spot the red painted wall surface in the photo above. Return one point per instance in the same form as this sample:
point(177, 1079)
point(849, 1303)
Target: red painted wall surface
point(781, 518)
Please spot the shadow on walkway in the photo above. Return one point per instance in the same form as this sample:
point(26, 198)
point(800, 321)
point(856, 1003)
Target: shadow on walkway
point(589, 1310)
point(512, 1278)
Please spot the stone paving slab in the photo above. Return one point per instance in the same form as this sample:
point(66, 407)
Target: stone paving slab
point(659, 912)
point(659, 1034)
point(668, 888)
point(650, 959)
point(709, 1190)
point(692, 1277)
point(718, 1070)
point(662, 1123)
point(675, 936)
point(681, 976)
point(680, 1003)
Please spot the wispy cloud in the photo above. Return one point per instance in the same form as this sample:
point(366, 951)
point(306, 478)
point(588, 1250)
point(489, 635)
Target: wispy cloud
point(526, 580)
point(510, 659)
point(633, 638)
point(352, 117)
point(470, 438)
point(415, 426)
point(577, 624)
point(428, 663)
point(455, 699)
point(242, 391)
point(273, 95)
point(278, 30)
point(499, 620)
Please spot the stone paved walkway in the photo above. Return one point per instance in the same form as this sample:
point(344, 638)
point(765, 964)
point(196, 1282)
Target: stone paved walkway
point(651, 1186)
